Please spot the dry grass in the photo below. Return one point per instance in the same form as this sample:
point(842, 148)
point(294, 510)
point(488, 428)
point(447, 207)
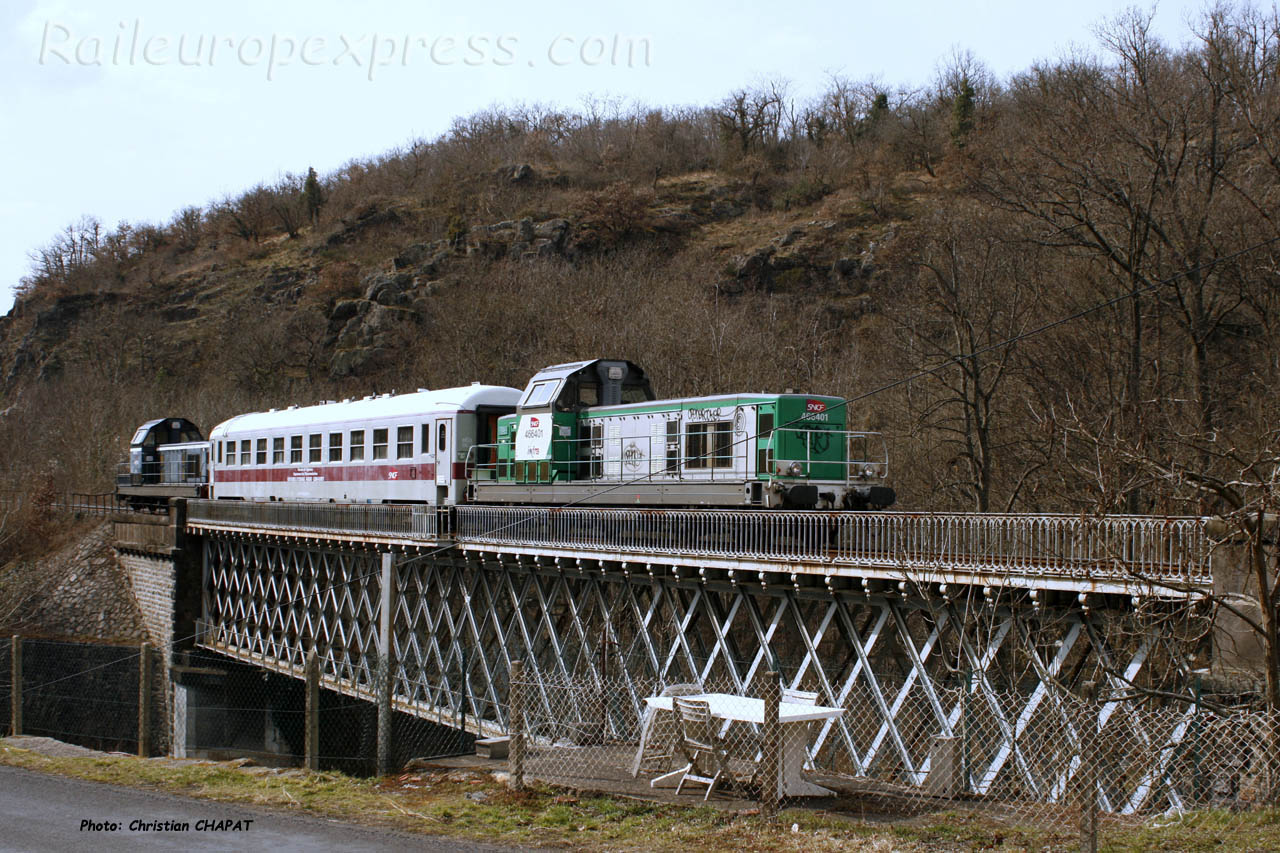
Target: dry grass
point(472, 805)
point(478, 805)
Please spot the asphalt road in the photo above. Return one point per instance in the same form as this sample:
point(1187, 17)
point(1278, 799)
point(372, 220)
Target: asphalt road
point(41, 812)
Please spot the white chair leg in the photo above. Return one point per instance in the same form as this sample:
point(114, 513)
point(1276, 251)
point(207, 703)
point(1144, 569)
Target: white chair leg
point(715, 780)
point(645, 731)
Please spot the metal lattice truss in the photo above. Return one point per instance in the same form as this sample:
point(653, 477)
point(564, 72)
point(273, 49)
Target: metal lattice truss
point(996, 677)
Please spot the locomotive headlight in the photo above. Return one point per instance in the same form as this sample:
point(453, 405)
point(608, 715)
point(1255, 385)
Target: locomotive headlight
point(869, 471)
point(794, 470)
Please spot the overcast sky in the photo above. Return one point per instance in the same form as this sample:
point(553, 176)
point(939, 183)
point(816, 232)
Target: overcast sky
point(130, 111)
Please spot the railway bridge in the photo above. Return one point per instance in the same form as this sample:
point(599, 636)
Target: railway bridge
point(917, 624)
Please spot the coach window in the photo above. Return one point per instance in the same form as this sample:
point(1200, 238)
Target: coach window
point(277, 450)
point(315, 452)
point(246, 452)
point(380, 443)
point(335, 447)
point(295, 449)
point(231, 452)
point(404, 442)
point(262, 451)
point(425, 433)
point(357, 445)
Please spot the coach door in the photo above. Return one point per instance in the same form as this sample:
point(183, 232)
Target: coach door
point(444, 451)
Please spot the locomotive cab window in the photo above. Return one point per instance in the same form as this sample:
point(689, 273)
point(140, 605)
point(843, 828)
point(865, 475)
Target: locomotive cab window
point(404, 442)
point(380, 443)
point(357, 445)
point(709, 445)
point(541, 394)
point(635, 394)
point(335, 447)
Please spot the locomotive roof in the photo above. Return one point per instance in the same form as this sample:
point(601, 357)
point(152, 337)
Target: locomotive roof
point(560, 371)
point(371, 408)
point(698, 402)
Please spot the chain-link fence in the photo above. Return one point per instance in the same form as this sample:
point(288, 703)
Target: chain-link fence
point(6, 693)
point(1042, 760)
point(226, 709)
point(81, 693)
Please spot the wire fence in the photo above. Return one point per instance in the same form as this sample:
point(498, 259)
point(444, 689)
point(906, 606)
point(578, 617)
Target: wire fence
point(225, 709)
point(6, 692)
point(81, 693)
point(1057, 763)
point(1116, 768)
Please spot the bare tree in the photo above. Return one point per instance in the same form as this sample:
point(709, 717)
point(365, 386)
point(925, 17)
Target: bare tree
point(752, 119)
point(975, 288)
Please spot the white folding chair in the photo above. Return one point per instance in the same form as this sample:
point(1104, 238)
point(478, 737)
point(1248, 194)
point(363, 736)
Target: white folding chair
point(659, 732)
point(698, 739)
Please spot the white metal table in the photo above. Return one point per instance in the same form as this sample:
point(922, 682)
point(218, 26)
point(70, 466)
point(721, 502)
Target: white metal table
point(793, 716)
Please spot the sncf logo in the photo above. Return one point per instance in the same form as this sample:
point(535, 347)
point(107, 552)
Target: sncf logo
point(533, 422)
point(815, 406)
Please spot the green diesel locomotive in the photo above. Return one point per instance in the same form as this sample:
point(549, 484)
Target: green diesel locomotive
point(592, 432)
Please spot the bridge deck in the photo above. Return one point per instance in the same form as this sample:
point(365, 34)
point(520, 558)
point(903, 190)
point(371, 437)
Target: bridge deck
point(1135, 555)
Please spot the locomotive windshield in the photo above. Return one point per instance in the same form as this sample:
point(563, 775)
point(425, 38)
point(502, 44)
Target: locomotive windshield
point(581, 385)
point(540, 394)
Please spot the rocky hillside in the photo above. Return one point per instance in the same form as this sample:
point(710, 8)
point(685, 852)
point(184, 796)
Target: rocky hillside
point(843, 245)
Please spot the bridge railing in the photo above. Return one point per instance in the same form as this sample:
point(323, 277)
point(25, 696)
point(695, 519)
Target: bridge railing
point(78, 503)
point(1171, 551)
point(401, 521)
point(1133, 549)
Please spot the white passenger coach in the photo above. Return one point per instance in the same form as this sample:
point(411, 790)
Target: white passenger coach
point(405, 448)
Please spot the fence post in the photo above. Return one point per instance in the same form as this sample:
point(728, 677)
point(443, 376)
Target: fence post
point(515, 698)
point(1089, 771)
point(385, 665)
point(144, 700)
point(15, 690)
point(771, 748)
point(311, 725)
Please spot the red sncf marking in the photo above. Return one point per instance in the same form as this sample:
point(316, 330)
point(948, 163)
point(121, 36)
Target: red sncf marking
point(533, 422)
point(815, 406)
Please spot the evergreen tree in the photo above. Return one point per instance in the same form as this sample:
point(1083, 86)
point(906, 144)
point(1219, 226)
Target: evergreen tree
point(962, 108)
point(312, 196)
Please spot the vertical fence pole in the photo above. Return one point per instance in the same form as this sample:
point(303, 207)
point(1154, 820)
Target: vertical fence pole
point(1089, 743)
point(385, 666)
point(771, 749)
point(144, 700)
point(515, 698)
point(964, 730)
point(311, 733)
point(15, 689)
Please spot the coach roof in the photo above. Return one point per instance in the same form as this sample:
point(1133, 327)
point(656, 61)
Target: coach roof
point(384, 407)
